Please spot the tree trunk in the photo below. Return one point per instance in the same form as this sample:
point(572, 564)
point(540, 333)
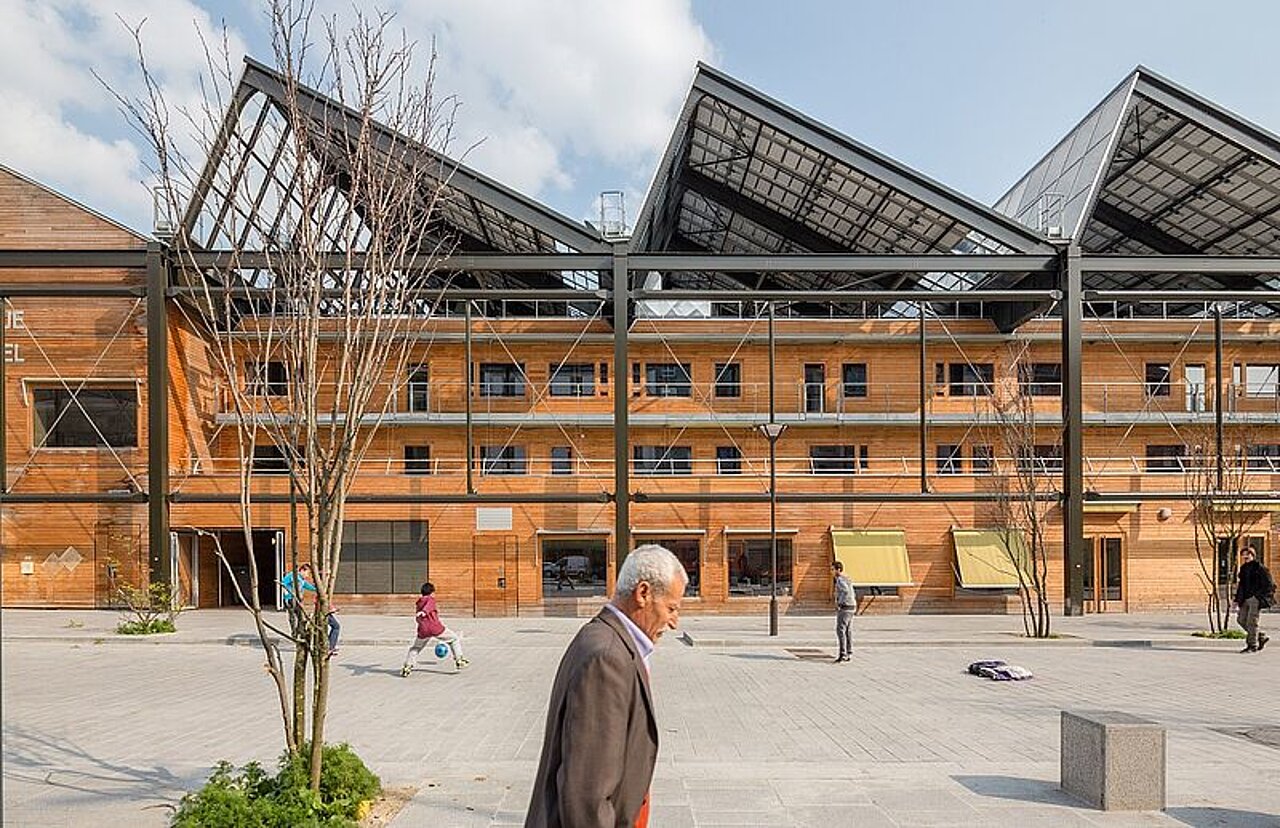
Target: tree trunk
point(320, 696)
point(300, 693)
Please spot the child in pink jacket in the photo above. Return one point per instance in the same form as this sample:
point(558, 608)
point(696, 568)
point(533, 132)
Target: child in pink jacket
point(430, 626)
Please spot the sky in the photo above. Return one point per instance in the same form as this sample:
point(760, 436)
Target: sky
point(562, 99)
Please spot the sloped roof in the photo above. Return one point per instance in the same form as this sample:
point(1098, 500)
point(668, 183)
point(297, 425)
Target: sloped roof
point(64, 223)
point(746, 174)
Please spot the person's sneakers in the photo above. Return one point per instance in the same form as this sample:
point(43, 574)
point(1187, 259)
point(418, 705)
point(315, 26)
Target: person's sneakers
point(1250, 649)
point(405, 671)
point(462, 662)
point(1263, 638)
point(332, 653)
point(845, 658)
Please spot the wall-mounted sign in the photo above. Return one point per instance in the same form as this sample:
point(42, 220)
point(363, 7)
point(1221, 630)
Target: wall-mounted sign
point(14, 320)
point(493, 518)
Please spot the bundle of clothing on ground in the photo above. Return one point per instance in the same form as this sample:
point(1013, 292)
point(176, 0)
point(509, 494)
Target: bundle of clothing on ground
point(997, 670)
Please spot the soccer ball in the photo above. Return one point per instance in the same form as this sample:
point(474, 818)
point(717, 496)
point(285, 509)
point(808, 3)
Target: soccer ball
point(442, 650)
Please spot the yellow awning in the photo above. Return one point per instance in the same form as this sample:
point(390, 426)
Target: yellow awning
point(983, 557)
point(873, 557)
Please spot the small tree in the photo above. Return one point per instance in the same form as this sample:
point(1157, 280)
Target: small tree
point(1027, 482)
point(327, 282)
point(1217, 488)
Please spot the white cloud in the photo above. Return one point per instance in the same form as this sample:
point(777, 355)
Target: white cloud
point(61, 126)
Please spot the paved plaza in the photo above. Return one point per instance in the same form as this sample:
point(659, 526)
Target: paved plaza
point(102, 730)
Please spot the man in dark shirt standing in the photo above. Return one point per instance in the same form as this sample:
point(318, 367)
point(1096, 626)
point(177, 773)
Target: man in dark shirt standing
point(846, 607)
point(1255, 591)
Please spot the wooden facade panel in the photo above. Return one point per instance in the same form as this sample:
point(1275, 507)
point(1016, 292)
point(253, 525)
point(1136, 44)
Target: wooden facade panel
point(33, 217)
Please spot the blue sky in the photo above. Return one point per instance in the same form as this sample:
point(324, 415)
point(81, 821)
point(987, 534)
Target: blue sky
point(570, 97)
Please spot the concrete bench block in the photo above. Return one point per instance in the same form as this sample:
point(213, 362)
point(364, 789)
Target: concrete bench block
point(1113, 761)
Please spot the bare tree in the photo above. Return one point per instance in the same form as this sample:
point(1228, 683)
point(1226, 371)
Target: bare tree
point(1027, 482)
point(1217, 487)
point(326, 283)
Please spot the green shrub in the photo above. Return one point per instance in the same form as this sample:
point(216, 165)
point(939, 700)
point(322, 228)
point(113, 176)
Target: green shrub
point(249, 798)
point(155, 625)
point(1235, 635)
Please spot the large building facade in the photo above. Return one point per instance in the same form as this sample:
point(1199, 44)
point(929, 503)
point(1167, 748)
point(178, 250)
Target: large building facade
point(753, 295)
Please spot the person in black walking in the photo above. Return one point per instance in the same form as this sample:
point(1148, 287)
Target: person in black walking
point(846, 607)
point(1255, 591)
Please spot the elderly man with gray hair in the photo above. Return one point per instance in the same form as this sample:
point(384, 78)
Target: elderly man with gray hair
point(601, 741)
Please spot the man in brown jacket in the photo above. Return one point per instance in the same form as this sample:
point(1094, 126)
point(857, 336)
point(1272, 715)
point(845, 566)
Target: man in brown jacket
point(601, 742)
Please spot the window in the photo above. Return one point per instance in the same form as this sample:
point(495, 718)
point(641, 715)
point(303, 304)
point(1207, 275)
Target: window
point(728, 379)
point(1265, 458)
point(91, 418)
point(750, 566)
point(266, 379)
point(970, 379)
point(501, 379)
point(417, 459)
point(983, 460)
point(855, 379)
point(663, 460)
point(576, 380)
point(1165, 459)
point(668, 379)
point(833, 459)
point(387, 557)
point(561, 460)
point(503, 460)
point(269, 459)
point(419, 388)
point(688, 550)
point(728, 460)
point(1042, 459)
point(1262, 380)
point(574, 567)
point(1157, 379)
point(1040, 379)
point(864, 458)
point(950, 459)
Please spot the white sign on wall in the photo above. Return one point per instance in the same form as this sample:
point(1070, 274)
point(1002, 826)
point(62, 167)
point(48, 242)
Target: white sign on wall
point(14, 321)
point(493, 518)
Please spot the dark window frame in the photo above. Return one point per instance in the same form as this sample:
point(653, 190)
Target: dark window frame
point(408, 568)
point(832, 459)
point(1155, 385)
point(949, 458)
point(417, 459)
point(419, 388)
point(1040, 379)
point(66, 423)
point(567, 379)
point(854, 388)
point(1165, 458)
point(510, 384)
point(970, 379)
point(668, 379)
point(561, 460)
point(266, 379)
point(728, 460)
point(503, 461)
point(728, 380)
point(662, 461)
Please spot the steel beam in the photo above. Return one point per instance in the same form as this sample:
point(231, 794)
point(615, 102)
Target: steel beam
point(514, 262)
point(358, 498)
point(70, 290)
point(621, 406)
point(443, 294)
point(842, 263)
point(851, 295)
point(1073, 548)
point(157, 416)
point(827, 497)
point(11, 498)
point(1207, 296)
point(1243, 265)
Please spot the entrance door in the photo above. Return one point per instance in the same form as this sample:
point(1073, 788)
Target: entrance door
point(1104, 575)
point(1194, 378)
point(184, 564)
point(815, 388)
point(494, 568)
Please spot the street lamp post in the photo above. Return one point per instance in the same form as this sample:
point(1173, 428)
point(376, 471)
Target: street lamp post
point(772, 431)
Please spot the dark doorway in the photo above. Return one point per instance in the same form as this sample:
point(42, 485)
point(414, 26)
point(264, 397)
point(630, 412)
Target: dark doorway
point(237, 555)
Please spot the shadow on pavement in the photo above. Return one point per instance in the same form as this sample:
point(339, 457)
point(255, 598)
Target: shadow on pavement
point(1019, 788)
point(1223, 818)
point(382, 669)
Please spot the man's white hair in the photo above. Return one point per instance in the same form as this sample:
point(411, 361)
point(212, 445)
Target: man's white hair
point(654, 564)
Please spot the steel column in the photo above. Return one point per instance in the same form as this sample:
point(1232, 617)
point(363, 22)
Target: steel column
point(1073, 548)
point(773, 481)
point(467, 368)
point(621, 434)
point(1217, 393)
point(157, 416)
point(924, 398)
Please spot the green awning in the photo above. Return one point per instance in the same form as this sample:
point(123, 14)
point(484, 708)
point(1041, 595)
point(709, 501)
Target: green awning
point(984, 557)
point(873, 557)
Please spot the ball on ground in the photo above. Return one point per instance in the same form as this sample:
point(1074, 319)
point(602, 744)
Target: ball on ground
point(442, 650)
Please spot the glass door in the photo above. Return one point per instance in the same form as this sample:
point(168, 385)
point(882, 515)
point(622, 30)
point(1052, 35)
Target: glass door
point(1104, 575)
point(815, 388)
point(1194, 380)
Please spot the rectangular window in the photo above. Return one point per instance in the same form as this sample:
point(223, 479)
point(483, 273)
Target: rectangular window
point(269, 459)
point(663, 460)
point(855, 379)
point(91, 418)
point(573, 380)
point(575, 567)
point(1165, 459)
point(1262, 380)
point(751, 566)
point(864, 458)
point(561, 460)
point(266, 379)
point(970, 379)
point(419, 388)
point(1157, 379)
point(688, 550)
point(503, 460)
point(728, 379)
point(950, 459)
point(1042, 459)
point(833, 459)
point(501, 379)
point(668, 379)
point(1265, 458)
point(1040, 379)
point(728, 460)
point(983, 460)
point(382, 557)
point(417, 459)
